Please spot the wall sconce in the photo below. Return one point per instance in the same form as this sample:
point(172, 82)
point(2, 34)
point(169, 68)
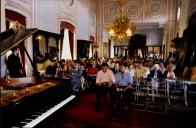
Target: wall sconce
point(39, 37)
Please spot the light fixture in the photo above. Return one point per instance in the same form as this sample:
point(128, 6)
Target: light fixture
point(121, 27)
point(39, 37)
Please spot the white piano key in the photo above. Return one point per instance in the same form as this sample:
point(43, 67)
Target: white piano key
point(23, 122)
point(28, 119)
point(48, 113)
point(35, 115)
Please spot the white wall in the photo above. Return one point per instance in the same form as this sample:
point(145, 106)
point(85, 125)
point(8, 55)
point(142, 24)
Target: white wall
point(47, 14)
point(44, 15)
point(82, 22)
point(155, 37)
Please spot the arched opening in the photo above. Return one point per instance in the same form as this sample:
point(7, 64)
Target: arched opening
point(137, 46)
point(67, 40)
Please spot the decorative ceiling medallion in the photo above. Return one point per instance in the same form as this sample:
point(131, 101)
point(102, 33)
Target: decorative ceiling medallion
point(134, 9)
point(110, 10)
point(155, 8)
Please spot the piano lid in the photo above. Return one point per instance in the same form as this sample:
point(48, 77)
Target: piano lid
point(12, 38)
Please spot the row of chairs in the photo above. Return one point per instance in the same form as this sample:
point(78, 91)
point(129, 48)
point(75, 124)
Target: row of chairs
point(164, 95)
point(161, 95)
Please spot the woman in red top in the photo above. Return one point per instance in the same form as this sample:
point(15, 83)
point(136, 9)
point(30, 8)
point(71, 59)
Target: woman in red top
point(91, 74)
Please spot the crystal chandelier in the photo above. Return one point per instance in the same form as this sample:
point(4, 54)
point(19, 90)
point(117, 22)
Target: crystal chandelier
point(121, 27)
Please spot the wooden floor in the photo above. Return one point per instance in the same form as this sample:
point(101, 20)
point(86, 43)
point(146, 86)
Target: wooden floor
point(83, 115)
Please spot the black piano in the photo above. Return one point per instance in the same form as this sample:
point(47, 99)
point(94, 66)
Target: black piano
point(26, 102)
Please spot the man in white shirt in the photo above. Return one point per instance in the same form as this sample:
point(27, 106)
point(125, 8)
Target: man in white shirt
point(104, 81)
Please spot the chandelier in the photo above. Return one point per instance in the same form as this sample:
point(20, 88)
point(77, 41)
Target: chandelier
point(121, 27)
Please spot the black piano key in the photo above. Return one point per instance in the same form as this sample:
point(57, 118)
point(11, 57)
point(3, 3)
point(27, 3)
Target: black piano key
point(18, 125)
point(31, 117)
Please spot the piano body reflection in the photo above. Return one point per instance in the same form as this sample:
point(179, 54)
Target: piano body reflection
point(26, 102)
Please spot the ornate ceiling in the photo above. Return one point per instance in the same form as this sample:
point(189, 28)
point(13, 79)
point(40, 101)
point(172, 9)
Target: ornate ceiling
point(138, 10)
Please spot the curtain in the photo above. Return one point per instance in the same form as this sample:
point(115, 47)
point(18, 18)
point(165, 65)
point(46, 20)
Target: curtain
point(66, 52)
point(90, 51)
point(112, 49)
point(71, 41)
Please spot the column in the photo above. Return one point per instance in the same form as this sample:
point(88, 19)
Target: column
point(3, 26)
point(170, 27)
point(47, 42)
point(99, 35)
point(117, 51)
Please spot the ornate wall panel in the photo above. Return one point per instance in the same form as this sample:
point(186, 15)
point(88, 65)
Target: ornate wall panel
point(92, 24)
point(110, 10)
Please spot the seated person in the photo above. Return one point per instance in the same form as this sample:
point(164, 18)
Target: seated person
point(58, 70)
point(155, 73)
point(51, 69)
point(156, 76)
point(91, 74)
point(169, 74)
point(141, 72)
point(75, 75)
point(124, 82)
point(104, 81)
point(115, 70)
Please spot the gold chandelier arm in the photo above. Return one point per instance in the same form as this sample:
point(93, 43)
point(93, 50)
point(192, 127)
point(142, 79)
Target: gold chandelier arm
point(122, 8)
point(121, 27)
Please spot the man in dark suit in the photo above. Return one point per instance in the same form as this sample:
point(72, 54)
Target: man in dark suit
point(115, 70)
point(14, 65)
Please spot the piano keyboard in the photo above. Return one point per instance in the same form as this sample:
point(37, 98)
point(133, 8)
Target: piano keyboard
point(38, 116)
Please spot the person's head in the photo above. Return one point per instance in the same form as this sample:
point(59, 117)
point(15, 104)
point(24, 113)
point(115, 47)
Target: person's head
point(131, 66)
point(116, 64)
point(156, 67)
point(63, 61)
point(136, 64)
point(15, 50)
point(82, 66)
point(162, 65)
point(76, 65)
point(122, 68)
point(104, 67)
point(171, 67)
point(93, 63)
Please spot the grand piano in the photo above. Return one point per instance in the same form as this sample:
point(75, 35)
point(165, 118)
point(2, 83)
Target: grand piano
point(26, 102)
